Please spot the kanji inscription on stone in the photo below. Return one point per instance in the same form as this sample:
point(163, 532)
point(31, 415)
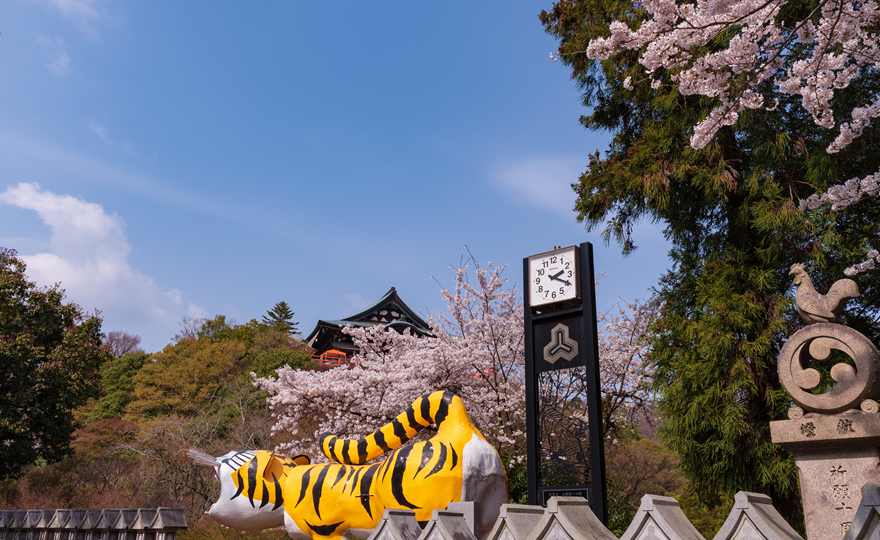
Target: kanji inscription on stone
point(840, 493)
point(808, 429)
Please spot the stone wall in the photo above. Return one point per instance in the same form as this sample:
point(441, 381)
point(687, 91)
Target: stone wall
point(106, 524)
point(752, 517)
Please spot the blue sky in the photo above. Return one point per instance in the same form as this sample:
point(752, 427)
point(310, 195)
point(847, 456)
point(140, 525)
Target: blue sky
point(168, 158)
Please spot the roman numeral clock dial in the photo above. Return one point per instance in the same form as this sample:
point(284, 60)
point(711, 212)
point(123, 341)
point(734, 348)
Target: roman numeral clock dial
point(553, 277)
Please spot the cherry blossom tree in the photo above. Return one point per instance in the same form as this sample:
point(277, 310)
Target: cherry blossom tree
point(812, 54)
point(728, 50)
point(476, 352)
point(625, 373)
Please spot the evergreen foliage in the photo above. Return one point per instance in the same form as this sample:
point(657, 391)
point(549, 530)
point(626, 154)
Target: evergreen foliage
point(280, 316)
point(50, 356)
point(730, 212)
point(117, 377)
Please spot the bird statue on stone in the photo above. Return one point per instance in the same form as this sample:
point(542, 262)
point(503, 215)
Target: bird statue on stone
point(819, 308)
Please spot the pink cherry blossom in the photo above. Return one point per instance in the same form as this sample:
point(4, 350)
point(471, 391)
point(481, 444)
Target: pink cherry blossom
point(840, 39)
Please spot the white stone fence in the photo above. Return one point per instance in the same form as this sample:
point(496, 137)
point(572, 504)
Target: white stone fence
point(752, 517)
point(106, 524)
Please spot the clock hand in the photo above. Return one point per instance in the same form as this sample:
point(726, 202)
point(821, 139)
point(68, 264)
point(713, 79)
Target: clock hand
point(556, 277)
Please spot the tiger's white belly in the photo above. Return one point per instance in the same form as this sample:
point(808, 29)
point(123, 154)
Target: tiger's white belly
point(483, 480)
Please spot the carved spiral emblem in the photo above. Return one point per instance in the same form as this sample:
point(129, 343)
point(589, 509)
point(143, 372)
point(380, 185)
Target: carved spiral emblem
point(817, 342)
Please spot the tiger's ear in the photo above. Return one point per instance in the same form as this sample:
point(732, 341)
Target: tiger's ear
point(302, 460)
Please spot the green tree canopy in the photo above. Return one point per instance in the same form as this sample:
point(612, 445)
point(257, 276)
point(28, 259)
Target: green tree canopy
point(50, 356)
point(117, 378)
point(730, 212)
point(183, 378)
point(280, 316)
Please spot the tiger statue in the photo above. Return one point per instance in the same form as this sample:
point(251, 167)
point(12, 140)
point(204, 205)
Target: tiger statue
point(322, 501)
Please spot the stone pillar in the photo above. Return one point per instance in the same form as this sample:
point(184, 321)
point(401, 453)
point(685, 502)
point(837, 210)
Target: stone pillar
point(836, 455)
point(834, 435)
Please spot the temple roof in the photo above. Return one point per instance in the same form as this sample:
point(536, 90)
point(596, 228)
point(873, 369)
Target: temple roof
point(390, 311)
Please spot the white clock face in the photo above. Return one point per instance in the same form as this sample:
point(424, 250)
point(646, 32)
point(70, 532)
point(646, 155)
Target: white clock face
point(553, 277)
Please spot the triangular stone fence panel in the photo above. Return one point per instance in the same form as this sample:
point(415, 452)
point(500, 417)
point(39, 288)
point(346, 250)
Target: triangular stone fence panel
point(447, 525)
point(516, 522)
point(169, 519)
point(127, 516)
point(660, 518)
point(46, 517)
point(144, 518)
point(866, 523)
point(76, 519)
point(33, 518)
point(570, 518)
point(473, 515)
point(397, 525)
point(21, 518)
point(754, 517)
point(109, 517)
point(93, 517)
point(59, 519)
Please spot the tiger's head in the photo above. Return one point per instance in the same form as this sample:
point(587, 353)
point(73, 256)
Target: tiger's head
point(251, 485)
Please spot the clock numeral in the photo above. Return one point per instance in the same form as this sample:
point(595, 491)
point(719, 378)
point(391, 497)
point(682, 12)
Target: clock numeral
point(545, 263)
point(567, 266)
point(569, 273)
point(561, 290)
point(540, 271)
point(553, 259)
point(553, 295)
point(541, 288)
point(538, 280)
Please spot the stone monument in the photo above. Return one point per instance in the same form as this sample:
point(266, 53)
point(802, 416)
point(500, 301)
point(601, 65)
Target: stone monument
point(833, 432)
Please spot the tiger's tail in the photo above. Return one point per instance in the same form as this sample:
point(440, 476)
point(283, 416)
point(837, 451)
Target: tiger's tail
point(429, 409)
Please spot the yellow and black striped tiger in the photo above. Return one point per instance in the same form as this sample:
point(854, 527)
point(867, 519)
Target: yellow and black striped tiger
point(325, 500)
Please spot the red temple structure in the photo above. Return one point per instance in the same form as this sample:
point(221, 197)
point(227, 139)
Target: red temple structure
point(334, 348)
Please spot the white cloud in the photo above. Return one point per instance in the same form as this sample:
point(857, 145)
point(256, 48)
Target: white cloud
point(59, 62)
point(88, 255)
point(103, 133)
point(175, 295)
point(541, 182)
point(74, 9)
point(99, 130)
point(197, 312)
point(83, 13)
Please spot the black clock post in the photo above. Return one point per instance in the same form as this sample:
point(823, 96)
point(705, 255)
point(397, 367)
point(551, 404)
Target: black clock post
point(565, 451)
